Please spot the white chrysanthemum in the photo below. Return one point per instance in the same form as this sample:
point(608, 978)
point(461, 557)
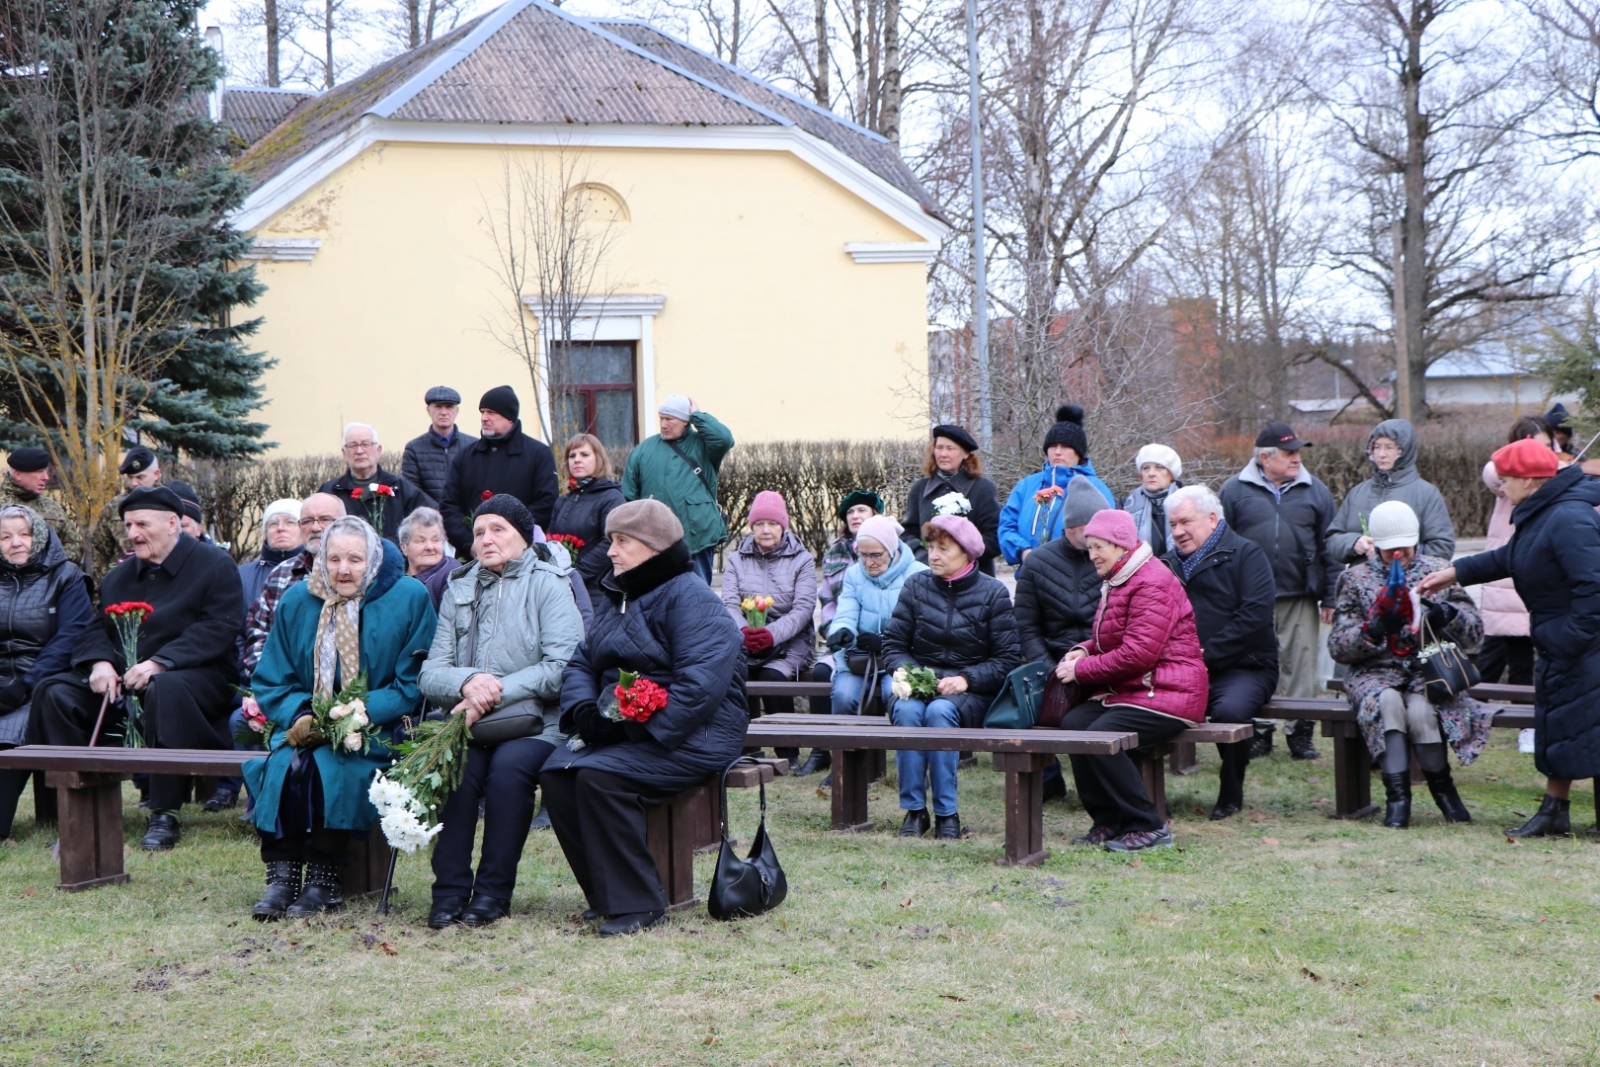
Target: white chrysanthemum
point(900, 685)
point(952, 504)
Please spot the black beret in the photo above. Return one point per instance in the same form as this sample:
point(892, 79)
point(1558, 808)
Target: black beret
point(956, 434)
point(137, 460)
point(860, 496)
point(151, 498)
point(190, 498)
point(28, 460)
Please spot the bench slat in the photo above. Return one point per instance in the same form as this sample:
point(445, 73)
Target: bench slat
point(937, 739)
point(1206, 733)
point(195, 761)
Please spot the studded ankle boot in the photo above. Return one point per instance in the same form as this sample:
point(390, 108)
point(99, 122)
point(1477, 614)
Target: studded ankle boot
point(322, 892)
point(283, 888)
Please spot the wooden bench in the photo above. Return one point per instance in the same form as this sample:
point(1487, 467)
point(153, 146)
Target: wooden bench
point(87, 785)
point(1021, 755)
point(677, 829)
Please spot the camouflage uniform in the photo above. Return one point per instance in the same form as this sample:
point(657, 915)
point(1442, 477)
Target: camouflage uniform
point(50, 510)
point(111, 545)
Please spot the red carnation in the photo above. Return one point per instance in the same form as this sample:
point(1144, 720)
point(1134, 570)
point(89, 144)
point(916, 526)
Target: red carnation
point(130, 607)
point(486, 494)
point(355, 494)
point(640, 698)
point(381, 489)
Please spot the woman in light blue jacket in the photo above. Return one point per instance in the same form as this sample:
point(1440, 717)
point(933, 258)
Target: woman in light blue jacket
point(866, 603)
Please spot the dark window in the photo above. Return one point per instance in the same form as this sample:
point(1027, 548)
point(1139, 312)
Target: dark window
point(595, 392)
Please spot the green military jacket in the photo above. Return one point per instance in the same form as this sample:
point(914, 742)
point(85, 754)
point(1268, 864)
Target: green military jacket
point(50, 510)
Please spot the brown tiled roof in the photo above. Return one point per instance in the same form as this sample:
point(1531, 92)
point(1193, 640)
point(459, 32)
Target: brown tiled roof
point(529, 62)
point(250, 112)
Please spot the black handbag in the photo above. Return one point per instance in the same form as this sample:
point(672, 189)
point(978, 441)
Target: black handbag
point(508, 722)
point(1446, 670)
point(749, 886)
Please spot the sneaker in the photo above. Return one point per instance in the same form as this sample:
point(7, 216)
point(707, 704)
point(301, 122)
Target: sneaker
point(1525, 740)
point(1139, 840)
point(1097, 835)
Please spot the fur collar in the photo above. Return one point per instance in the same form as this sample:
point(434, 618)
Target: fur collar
point(656, 571)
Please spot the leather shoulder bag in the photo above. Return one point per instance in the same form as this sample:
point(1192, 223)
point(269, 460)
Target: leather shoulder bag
point(508, 722)
point(1446, 670)
point(749, 886)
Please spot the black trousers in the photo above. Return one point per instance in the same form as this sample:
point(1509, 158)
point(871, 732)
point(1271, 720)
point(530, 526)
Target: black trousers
point(822, 671)
point(1110, 786)
point(599, 819)
point(1237, 695)
point(182, 709)
point(504, 777)
point(1506, 655)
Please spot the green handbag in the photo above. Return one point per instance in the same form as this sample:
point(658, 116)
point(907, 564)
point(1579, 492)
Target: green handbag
point(1016, 706)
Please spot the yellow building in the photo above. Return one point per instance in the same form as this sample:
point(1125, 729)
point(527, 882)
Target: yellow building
point(763, 256)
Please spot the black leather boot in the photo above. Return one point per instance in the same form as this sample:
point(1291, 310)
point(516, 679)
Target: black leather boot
point(947, 828)
point(1553, 819)
point(819, 760)
point(323, 893)
point(161, 833)
point(916, 823)
point(283, 887)
point(1397, 791)
point(1443, 788)
point(446, 912)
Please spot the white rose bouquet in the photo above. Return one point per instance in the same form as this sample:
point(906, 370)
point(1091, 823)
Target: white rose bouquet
point(342, 720)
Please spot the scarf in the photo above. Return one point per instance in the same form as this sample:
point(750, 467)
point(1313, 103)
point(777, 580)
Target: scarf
point(338, 640)
point(1191, 561)
point(274, 556)
point(1124, 567)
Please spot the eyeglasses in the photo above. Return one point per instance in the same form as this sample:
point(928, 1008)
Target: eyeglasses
point(319, 520)
point(360, 446)
point(874, 557)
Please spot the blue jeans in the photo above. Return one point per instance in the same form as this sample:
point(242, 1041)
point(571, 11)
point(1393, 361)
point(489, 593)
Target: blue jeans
point(918, 770)
point(703, 561)
point(847, 692)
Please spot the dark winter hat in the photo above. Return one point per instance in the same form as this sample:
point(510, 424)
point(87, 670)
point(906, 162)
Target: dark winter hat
point(442, 394)
point(1083, 503)
point(1556, 418)
point(30, 460)
point(1068, 430)
point(137, 461)
point(502, 401)
point(1280, 435)
point(954, 433)
point(860, 496)
point(190, 498)
point(151, 498)
point(510, 509)
point(648, 520)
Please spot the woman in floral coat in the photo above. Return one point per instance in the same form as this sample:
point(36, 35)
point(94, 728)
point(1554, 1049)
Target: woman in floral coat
point(1374, 632)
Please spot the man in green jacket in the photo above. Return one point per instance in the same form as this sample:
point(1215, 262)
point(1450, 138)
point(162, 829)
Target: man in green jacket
point(678, 467)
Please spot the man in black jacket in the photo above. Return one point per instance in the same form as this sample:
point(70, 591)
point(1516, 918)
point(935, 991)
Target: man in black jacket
point(370, 492)
point(1279, 505)
point(1231, 588)
point(503, 460)
point(186, 661)
point(428, 456)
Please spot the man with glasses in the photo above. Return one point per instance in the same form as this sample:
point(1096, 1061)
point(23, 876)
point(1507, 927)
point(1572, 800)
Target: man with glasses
point(1392, 449)
point(369, 491)
point(316, 515)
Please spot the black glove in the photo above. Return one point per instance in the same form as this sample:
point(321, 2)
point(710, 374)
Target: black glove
point(1440, 615)
point(870, 643)
point(593, 728)
point(13, 696)
point(1383, 624)
point(841, 639)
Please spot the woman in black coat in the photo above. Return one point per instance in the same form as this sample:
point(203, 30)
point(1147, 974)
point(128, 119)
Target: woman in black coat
point(659, 621)
point(579, 519)
point(952, 465)
point(1554, 559)
point(43, 608)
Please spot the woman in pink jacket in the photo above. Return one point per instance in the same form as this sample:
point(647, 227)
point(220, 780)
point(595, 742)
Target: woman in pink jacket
point(1143, 671)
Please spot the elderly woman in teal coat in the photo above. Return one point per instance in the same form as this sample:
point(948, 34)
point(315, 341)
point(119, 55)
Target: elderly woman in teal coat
point(356, 613)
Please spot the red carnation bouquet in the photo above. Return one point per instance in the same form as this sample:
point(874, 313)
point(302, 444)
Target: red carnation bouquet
point(638, 698)
point(375, 493)
point(127, 617)
point(573, 542)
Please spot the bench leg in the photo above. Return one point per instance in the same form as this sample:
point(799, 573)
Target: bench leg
point(1352, 771)
point(367, 867)
point(1184, 759)
point(852, 772)
point(90, 816)
point(1153, 769)
point(669, 832)
point(705, 818)
point(1024, 773)
point(44, 801)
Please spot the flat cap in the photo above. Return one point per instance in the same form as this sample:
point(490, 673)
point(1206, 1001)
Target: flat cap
point(442, 394)
point(137, 460)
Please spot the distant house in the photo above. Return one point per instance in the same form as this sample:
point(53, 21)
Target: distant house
point(252, 111)
point(1494, 378)
point(769, 258)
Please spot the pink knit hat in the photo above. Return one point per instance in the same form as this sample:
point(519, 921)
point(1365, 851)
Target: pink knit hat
point(1115, 526)
point(770, 506)
point(961, 531)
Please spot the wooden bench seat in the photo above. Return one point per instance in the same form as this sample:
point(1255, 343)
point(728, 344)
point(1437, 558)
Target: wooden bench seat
point(1021, 755)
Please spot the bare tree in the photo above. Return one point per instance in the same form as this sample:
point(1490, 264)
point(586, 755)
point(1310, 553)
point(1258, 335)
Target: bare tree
point(325, 42)
point(1568, 36)
point(1451, 230)
point(406, 24)
point(553, 233)
point(271, 24)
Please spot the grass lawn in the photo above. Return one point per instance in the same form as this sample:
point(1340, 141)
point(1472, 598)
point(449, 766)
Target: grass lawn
point(1278, 937)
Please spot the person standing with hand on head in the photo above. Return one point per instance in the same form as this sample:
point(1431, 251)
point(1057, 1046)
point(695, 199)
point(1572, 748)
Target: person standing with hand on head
point(428, 456)
point(1392, 448)
point(1554, 559)
point(503, 460)
point(679, 467)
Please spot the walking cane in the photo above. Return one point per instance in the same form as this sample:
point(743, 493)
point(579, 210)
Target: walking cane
point(388, 882)
point(1579, 457)
point(100, 719)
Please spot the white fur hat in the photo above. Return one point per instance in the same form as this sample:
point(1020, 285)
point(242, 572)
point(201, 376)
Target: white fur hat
point(1393, 524)
point(286, 506)
point(1160, 455)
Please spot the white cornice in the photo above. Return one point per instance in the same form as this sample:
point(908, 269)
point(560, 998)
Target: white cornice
point(892, 251)
point(284, 249)
point(283, 189)
point(611, 305)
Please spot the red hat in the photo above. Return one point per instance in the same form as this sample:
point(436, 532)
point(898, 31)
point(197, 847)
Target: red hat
point(1116, 527)
point(1526, 458)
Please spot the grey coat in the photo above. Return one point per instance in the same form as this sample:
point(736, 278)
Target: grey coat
point(788, 574)
point(527, 625)
point(1403, 483)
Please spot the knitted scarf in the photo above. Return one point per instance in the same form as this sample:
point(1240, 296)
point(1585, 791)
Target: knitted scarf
point(1192, 560)
point(338, 641)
